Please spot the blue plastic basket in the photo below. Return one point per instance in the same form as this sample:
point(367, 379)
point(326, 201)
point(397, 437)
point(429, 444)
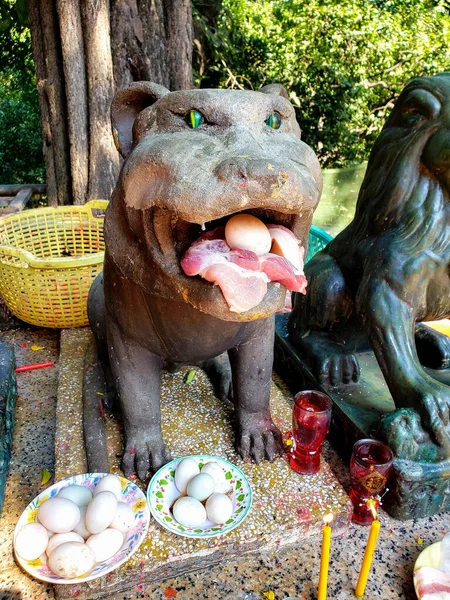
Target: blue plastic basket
point(318, 239)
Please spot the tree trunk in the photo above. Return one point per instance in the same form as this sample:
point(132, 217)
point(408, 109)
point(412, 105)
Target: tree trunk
point(47, 53)
point(83, 52)
point(41, 75)
point(54, 88)
point(76, 92)
point(179, 43)
point(103, 156)
point(152, 41)
point(138, 37)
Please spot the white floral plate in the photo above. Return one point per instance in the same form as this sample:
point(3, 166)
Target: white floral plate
point(131, 494)
point(162, 493)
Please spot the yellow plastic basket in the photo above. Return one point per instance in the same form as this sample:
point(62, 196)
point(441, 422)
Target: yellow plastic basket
point(49, 258)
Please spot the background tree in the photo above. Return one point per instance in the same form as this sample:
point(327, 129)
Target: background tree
point(82, 52)
point(20, 140)
point(344, 62)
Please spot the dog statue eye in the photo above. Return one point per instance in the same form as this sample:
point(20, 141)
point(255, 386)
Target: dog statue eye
point(195, 118)
point(274, 121)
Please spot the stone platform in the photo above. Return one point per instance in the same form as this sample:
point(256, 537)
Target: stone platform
point(417, 488)
point(287, 508)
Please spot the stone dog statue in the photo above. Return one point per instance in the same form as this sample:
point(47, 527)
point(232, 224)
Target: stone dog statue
point(390, 269)
point(193, 159)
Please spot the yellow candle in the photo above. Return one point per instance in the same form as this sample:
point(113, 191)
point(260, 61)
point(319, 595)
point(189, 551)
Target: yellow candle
point(367, 560)
point(325, 558)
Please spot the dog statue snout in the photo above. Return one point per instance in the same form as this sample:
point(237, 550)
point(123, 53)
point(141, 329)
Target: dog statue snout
point(245, 170)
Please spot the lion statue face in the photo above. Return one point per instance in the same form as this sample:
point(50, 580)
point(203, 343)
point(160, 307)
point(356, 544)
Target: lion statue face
point(407, 184)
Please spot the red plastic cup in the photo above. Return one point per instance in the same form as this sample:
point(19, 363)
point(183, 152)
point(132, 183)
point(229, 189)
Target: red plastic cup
point(310, 424)
point(370, 467)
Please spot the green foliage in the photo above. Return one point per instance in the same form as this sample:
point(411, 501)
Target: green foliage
point(343, 62)
point(15, 47)
point(21, 159)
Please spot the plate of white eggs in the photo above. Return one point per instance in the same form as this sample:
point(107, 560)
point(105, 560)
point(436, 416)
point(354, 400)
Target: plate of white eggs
point(81, 528)
point(199, 496)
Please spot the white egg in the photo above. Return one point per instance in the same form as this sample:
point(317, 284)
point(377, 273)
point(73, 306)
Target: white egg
point(246, 232)
point(201, 486)
point(31, 541)
point(222, 485)
point(284, 243)
point(105, 544)
point(77, 493)
point(189, 512)
point(124, 519)
point(109, 483)
point(60, 515)
point(62, 538)
point(101, 511)
point(219, 508)
point(185, 471)
point(72, 559)
point(81, 527)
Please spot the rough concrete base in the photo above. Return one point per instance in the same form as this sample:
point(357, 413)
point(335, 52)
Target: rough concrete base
point(287, 508)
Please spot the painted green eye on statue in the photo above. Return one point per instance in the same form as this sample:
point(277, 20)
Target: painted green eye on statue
point(412, 117)
point(195, 118)
point(274, 121)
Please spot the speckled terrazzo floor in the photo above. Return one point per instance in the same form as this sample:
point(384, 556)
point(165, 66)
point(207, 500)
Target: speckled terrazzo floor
point(288, 574)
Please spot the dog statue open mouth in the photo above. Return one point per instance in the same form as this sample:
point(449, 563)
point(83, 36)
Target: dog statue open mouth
point(174, 290)
point(243, 274)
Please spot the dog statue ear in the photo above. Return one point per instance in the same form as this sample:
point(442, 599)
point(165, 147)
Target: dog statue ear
point(126, 105)
point(276, 89)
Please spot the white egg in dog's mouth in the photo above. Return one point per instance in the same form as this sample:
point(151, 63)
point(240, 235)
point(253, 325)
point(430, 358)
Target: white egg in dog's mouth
point(243, 257)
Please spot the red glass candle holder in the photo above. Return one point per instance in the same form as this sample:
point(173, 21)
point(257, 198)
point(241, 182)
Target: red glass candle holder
point(310, 424)
point(370, 466)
